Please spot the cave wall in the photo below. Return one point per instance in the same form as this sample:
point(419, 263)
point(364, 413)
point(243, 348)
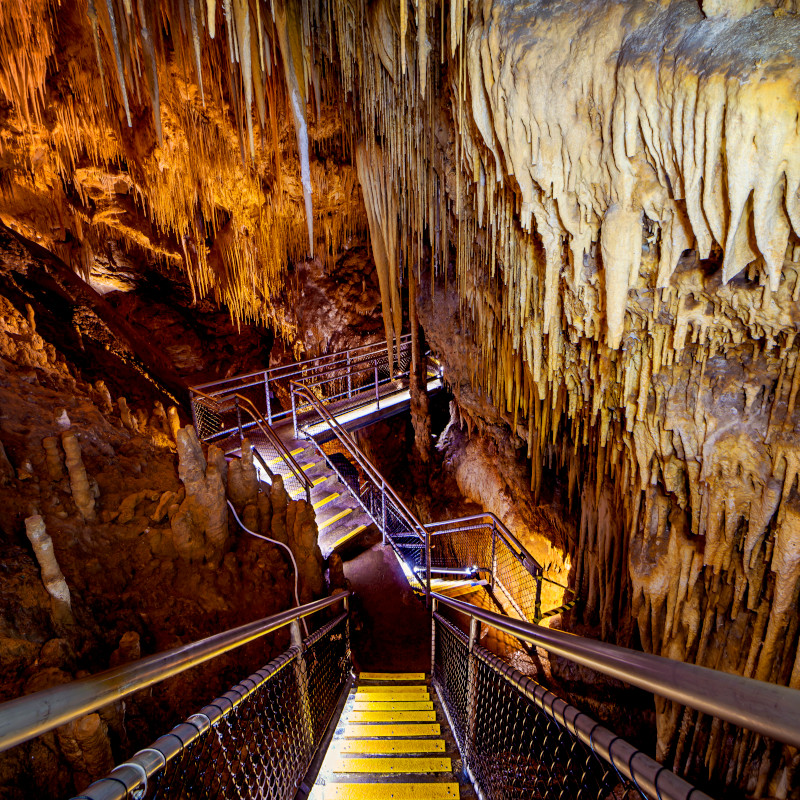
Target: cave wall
point(601, 201)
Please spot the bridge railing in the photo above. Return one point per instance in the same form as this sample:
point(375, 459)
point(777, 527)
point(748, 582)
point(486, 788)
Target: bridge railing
point(480, 547)
point(256, 740)
point(345, 378)
point(517, 739)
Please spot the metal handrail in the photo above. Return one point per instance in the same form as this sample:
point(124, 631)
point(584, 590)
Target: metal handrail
point(371, 471)
point(762, 707)
point(285, 370)
point(490, 519)
point(276, 441)
point(650, 778)
point(30, 716)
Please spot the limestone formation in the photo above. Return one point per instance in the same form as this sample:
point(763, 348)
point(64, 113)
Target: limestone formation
point(82, 492)
point(55, 466)
point(86, 745)
point(174, 422)
point(125, 415)
point(52, 577)
point(200, 527)
point(243, 478)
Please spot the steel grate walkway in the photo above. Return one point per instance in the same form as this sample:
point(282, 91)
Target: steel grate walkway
point(392, 741)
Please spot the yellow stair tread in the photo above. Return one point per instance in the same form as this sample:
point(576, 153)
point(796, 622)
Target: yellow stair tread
point(280, 458)
point(393, 690)
point(392, 676)
point(391, 791)
point(392, 731)
point(393, 705)
point(391, 697)
point(391, 716)
point(349, 536)
point(335, 518)
point(387, 746)
point(326, 500)
point(393, 765)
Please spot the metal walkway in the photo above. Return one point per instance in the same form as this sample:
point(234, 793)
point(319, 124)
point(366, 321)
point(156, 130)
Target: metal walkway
point(311, 724)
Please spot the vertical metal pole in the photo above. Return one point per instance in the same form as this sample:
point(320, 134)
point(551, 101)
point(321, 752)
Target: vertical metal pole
point(472, 690)
point(302, 685)
point(194, 414)
point(377, 394)
point(383, 499)
point(434, 605)
point(294, 411)
point(239, 421)
point(349, 377)
point(269, 401)
point(537, 608)
point(427, 566)
point(494, 553)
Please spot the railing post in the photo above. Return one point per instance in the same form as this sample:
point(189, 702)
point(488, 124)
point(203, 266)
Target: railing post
point(302, 684)
point(194, 414)
point(349, 378)
point(239, 420)
point(294, 410)
point(377, 393)
point(537, 607)
point(269, 400)
point(383, 512)
point(433, 634)
point(427, 566)
point(472, 689)
point(494, 553)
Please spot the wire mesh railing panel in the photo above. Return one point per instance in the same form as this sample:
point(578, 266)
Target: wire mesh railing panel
point(327, 665)
point(256, 748)
point(258, 739)
point(450, 672)
point(511, 746)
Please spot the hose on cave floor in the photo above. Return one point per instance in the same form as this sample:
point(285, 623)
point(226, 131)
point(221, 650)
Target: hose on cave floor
point(280, 544)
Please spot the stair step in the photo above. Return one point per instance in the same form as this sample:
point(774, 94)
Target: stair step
point(398, 765)
point(396, 731)
point(393, 705)
point(387, 746)
point(326, 500)
point(393, 690)
point(391, 791)
point(391, 676)
point(349, 535)
point(392, 716)
point(335, 518)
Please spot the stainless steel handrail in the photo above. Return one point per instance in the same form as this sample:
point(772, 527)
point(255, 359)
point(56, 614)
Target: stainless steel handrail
point(371, 471)
point(285, 370)
point(650, 778)
point(27, 717)
point(276, 441)
point(764, 708)
point(528, 561)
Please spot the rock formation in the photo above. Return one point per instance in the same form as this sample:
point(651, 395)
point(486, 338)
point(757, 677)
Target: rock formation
point(600, 203)
point(82, 492)
point(52, 577)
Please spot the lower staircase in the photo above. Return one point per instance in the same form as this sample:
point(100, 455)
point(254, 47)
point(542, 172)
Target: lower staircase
point(392, 741)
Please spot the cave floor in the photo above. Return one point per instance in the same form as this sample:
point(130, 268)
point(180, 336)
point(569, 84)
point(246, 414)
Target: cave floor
point(391, 626)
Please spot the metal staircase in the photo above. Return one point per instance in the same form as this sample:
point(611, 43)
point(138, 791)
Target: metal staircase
point(311, 724)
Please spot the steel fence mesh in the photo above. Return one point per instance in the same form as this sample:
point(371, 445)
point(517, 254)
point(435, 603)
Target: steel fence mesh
point(257, 740)
point(512, 747)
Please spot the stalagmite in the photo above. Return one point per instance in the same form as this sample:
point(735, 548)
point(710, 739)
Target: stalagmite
point(55, 466)
point(52, 577)
point(243, 479)
point(82, 492)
